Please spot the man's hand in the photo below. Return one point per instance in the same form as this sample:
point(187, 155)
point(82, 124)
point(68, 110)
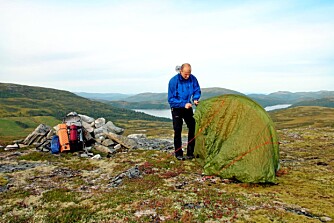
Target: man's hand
point(196, 102)
point(188, 105)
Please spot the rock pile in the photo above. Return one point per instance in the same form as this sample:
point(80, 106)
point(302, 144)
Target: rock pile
point(99, 134)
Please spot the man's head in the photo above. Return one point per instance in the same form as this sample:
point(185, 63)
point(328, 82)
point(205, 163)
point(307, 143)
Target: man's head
point(185, 70)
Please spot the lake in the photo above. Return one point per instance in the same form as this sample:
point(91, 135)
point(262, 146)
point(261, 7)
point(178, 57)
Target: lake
point(166, 113)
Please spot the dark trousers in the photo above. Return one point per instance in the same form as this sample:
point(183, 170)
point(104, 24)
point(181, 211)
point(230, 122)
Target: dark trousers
point(180, 114)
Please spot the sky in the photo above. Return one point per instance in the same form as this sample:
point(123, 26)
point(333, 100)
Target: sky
point(133, 46)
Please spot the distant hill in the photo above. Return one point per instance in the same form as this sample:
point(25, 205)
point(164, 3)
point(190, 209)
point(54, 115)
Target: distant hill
point(20, 100)
point(286, 97)
point(300, 96)
point(323, 102)
point(159, 100)
point(103, 96)
point(147, 96)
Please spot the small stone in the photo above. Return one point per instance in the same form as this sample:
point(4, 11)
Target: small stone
point(134, 172)
point(117, 147)
point(102, 149)
point(137, 136)
point(141, 213)
point(325, 219)
point(96, 157)
point(172, 162)
point(12, 147)
point(22, 146)
point(84, 155)
point(88, 148)
point(45, 150)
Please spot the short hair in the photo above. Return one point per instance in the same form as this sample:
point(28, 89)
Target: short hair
point(185, 65)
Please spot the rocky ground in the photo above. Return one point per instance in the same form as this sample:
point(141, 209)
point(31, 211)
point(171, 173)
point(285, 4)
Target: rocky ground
point(150, 185)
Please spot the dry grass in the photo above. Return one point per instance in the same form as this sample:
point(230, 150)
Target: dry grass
point(174, 191)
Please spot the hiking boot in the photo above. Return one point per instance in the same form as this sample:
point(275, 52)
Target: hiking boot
point(189, 157)
point(180, 158)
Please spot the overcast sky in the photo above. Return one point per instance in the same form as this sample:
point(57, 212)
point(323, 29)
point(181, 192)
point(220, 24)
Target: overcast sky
point(133, 46)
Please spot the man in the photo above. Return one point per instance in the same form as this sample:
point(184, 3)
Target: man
point(182, 89)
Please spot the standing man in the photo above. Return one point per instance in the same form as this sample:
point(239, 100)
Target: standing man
point(182, 89)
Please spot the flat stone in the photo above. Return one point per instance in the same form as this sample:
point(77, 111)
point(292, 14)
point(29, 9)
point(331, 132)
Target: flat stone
point(108, 142)
point(118, 146)
point(96, 157)
point(45, 150)
point(84, 155)
point(12, 147)
point(102, 149)
point(325, 219)
point(124, 141)
point(87, 126)
point(100, 130)
point(137, 136)
point(50, 134)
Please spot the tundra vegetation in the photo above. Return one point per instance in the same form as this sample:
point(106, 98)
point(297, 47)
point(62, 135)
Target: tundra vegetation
point(67, 188)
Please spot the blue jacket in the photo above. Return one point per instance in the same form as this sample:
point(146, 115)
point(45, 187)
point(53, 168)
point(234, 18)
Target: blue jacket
point(181, 91)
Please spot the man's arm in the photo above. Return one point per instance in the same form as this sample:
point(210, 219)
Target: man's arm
point(172, 95)
point(197, 90)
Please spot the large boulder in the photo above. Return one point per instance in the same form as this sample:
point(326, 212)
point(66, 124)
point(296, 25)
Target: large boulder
point(114, 129)
point(86, 118)
point(100, 122)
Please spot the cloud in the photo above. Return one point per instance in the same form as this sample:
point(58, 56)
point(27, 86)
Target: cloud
point(131, 45)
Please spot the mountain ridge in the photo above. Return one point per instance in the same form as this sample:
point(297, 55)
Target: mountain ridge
point(149, 100)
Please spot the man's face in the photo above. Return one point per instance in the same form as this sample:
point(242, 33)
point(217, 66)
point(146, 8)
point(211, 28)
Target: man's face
point(185, 72)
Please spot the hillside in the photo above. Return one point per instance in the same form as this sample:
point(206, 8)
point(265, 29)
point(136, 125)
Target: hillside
point(20, 100)
point(19, 104)
point(159, 100)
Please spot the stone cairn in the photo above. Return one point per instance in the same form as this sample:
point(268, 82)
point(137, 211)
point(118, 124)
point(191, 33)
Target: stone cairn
point(103, 136)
